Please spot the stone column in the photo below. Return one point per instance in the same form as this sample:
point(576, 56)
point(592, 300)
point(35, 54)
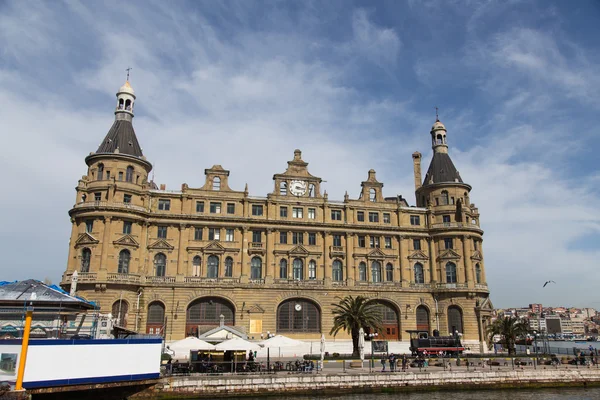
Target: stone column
point(406, 273)
point(74, 260)
point(433, 264)
point(105, 242)
point(181, 250)
point(245, 277)
point(467, 261)
point(270, 272)
point(349, 264)
point(326, 268)
point(481, 263)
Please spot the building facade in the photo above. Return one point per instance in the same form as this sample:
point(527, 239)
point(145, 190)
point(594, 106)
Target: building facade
point(177, 262)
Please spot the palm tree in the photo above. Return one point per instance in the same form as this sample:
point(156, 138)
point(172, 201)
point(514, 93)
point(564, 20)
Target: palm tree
point(509, 329)
point(353, 313)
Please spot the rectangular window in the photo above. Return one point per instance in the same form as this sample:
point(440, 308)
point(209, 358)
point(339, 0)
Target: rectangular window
point(283, 212)
point(297, 238)
point(230, 208)
point(336, 215)
point(373, 217)
point(126, 227)
point(257, 210)
point(445, 218)
point(164, 204)
point(97, 196)
point(361, 241)
point(312, 213)
point(417, 244)
point(108, 175)
point(120, 175)
point(312, 239)
point(374, 241)
point(337, 240)
point(198, 234)
point(215, 208)
point(126, 198)
point(415, 220)
point(214, 234)
point(162, 232)
point(283, 237)
point(386, 218)
point(448, 243)
point(475, 245)
point(199, 206)
point(89, 225)
point(297, 212)
point(256, 236)
point(388, 242)
point(229, 234)
point(360, 216)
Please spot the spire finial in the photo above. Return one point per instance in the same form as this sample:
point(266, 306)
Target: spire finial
point(437, 118)
point(128, 69)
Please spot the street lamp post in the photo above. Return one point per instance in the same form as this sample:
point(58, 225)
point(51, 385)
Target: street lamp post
point(536, 349)
point(371, 336)
point(269, 336)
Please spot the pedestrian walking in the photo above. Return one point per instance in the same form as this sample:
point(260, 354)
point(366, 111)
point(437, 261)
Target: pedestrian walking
point(404, 362)
point(383, 364)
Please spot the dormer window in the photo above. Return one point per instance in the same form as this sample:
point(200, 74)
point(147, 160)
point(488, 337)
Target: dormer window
point(216, 183)
point(372, 195)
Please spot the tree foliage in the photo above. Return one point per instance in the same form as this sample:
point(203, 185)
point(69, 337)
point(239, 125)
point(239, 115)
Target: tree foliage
point(509, 329)
point(353, 313)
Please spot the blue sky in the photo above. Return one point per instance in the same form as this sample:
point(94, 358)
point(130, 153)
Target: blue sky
point(352, 84)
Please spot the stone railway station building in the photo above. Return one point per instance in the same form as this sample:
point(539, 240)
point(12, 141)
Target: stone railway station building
point(177, 262)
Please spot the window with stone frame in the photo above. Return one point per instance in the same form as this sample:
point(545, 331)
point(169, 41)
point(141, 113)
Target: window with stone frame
point(388, 242)
point(283, 212)
point(386, 218)
point(199, 206)
point(230, 208)
point(161, 232)
point(336, 215)
point(360, 216)
point(361, 241)
point(164, 204)
point(373, 217)
point(215, 207)
point(229, 235)
point(197, 233)
point(416, 244)
point(312, 239)
point(257, 210)
point(415, 220)
point(283, 237)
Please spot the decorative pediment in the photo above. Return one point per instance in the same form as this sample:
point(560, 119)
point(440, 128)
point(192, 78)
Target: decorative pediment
point(448, 254)
point(376, 253)
point(477, 256)
point(214, 247)
point(85, 239)
point(298, 251)
point(418, 255)
point(161, 244)
point(255, 309)
point(127, 240)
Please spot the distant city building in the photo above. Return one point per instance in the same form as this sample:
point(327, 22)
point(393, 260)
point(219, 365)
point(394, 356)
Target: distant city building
point(172, 262)
point(536, 308)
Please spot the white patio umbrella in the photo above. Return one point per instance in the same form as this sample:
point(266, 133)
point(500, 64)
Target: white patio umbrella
point(322, 349)
point(361, 344)
point(237, 344)
point(279, 341)
point(182, 347)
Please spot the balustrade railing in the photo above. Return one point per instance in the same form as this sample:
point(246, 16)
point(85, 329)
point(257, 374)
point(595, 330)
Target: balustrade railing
point(109, 204)
point(82, 277)
point(203, 279)
point(160, 279)
point(122, 278)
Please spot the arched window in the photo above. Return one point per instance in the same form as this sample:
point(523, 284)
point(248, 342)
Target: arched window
point(450, 273)
point(196, 262)
point(216, 183)
point(256, 268)
point(445, 198)
point(128, 105)
point(228, 267)
point(283, 273)
point(129, 174)
point(124, 258)
point(120, 106)
point(100, 172)
point(160, 264)
point(298, 315)
point(362, 271)
point(419, 277)
point(86, 255)
point(389, 272)
point(389, 318)
point(212, 267)
point(298, 269)
point(312, 269)
point(283, 189)
point(375, 271)
point(454, 320)
point(336, 271)
point(477, 273)
point(208, 311)
point(372, 195)
point(120, 309)
point(156, 318)
point(422, 314)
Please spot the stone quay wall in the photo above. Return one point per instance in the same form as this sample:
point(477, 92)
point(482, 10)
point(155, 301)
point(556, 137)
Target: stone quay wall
point(278, 385)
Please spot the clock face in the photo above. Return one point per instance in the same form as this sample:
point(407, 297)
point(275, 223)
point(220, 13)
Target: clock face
point(298, 307)
point(298, 188)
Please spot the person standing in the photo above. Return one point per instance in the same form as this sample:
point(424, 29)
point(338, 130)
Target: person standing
point(383, 364)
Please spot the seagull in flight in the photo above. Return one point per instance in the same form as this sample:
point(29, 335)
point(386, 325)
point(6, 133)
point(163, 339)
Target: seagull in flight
point(547, 282)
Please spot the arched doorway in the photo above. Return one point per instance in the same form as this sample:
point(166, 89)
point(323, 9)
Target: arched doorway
point(422, 314)
point(389, 319)
point(455, 324)
point(207, 311)
point(156, 318)
point(298, 316)
point(120, 309)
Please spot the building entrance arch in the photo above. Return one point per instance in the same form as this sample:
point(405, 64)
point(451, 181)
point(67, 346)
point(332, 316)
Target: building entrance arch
point(390, 320)
point(207, 311)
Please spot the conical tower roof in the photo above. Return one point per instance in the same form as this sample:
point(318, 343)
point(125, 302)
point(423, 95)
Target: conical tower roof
point(121, 139)
point(441, 170)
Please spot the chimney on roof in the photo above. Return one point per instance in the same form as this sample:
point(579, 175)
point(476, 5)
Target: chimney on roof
point(163, 186)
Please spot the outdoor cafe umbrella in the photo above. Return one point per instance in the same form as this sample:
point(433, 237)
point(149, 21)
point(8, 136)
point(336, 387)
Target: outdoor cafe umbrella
point(182, 347)
point(279, 341)
point(236, 344)
point(361, 344)
point(322, 349)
